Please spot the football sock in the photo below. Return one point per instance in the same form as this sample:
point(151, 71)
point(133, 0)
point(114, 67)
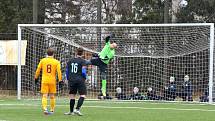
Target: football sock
point(72, 103)
point(104, 82)
point(80, 102)
point(52, 103)
point(44, 103)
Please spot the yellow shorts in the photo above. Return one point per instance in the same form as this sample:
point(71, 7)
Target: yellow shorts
point(48, 88)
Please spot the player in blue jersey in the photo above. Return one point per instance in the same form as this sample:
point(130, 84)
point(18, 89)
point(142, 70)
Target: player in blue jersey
point(187, 89)
point(76, 75)
point(170, 90)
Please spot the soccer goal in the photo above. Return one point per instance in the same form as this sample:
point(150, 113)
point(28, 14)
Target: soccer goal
point(148, 57)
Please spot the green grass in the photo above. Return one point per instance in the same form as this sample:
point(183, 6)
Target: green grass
point(30, 110)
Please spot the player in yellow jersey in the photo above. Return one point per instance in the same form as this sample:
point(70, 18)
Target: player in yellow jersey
point(49, 67)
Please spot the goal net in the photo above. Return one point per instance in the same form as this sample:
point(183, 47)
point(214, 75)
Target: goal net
point(164, 61)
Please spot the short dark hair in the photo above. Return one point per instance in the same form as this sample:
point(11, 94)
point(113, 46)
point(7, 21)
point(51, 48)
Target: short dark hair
point(80, 51)
point(50, 51)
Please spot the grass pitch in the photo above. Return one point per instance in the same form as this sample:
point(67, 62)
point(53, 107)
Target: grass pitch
point(30, 110)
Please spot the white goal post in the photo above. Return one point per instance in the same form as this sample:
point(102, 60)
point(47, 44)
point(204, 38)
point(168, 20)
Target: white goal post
point(146, 57)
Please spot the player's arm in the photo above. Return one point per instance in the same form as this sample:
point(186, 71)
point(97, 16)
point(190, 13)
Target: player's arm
point(59, 73)
point(174, 88)
point(67, 72)
point(84, 72)
point(39, 67)
point(87, 62)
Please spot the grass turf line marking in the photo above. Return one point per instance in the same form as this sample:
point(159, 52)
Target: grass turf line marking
point(108, 107)
point(136, 101)
point(176, 109)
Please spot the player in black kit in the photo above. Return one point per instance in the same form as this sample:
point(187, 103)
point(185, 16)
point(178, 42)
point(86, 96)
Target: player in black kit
point(76, 81)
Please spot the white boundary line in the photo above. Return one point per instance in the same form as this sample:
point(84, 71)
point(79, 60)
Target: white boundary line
point(108, 107)
point(176, 109)
point(136, 101)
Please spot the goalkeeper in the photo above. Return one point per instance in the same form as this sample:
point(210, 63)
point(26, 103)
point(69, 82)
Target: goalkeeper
point(102, 59)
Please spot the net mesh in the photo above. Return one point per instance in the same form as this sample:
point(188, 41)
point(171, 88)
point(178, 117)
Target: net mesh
point(146, 58)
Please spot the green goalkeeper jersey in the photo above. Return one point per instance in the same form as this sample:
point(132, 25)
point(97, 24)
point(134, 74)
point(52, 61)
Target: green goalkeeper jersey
point(107, 53)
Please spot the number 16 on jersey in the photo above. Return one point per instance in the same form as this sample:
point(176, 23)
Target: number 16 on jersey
point(74, 67)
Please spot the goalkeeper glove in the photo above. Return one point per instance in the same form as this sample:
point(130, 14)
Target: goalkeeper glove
point(36, 81)
point(107, 39)
point(95, 55)
point(61, 83)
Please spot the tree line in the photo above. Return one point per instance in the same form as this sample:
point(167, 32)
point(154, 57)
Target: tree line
point(14, 12)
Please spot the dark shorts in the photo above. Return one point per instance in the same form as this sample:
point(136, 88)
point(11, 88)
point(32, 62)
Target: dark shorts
point(77, 86)
point(98, 62)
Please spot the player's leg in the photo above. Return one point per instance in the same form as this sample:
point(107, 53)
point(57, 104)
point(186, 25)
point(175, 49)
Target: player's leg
point(95, 61)
point(190, 96)
point(52, 92)
point(52, 102)
point(103, 78)
point(173, 96)
point(44, 91)
point(102, 67)
point(184, 97)
point(80, 103)
point(44, 102)
point(82, 91)
point(71, 105)
point(168, 95)
point(72, 93)
point(72, 102)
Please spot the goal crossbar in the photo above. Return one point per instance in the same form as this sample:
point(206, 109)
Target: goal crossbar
point(114, 25)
